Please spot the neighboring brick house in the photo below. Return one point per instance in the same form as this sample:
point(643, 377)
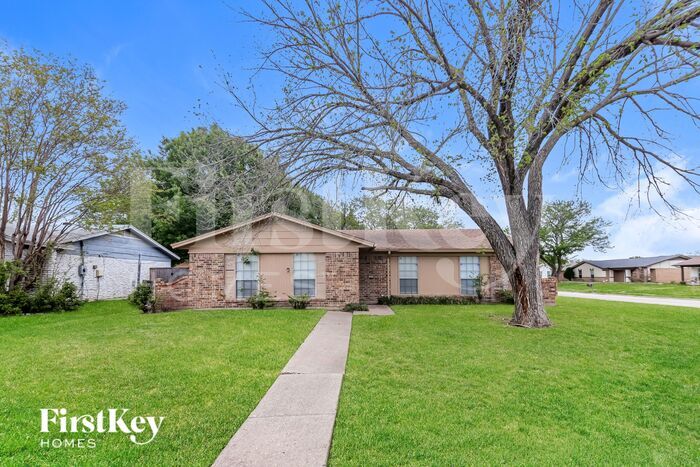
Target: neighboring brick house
point(290, 257)
point(638, 269)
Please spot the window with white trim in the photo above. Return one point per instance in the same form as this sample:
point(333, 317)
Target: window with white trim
point(408, 275)
point(247, 272)
point(305, 274)
point(468, 274)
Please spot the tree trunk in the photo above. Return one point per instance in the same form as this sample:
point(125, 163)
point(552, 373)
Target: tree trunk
point(522, 266)
point(527, 293)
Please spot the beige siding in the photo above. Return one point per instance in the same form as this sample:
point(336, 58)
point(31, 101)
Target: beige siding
point(666, 264)
point(438, 274)
point(230, 277)
point(321, 276)
point(585, 268)
point(275, 236)
point(276, 272)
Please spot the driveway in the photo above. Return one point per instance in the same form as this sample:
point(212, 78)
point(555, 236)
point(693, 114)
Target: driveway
point(686, 302)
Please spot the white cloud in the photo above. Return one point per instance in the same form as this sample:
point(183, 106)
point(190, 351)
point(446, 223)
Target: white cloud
point(639, 231)
point(113, 53)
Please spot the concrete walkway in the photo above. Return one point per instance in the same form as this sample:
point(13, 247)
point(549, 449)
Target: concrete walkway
point(686, 302)
point(293, 423)
point(376, 310)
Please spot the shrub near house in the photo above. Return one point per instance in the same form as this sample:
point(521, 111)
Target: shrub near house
point(45, 298)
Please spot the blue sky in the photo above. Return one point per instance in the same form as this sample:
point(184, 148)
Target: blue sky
point(164, 60)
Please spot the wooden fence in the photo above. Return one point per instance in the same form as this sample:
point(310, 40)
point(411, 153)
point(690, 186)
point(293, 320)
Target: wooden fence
point(168, 274)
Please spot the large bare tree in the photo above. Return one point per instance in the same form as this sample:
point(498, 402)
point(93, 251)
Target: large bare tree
point(61, 142)
point(431, 95)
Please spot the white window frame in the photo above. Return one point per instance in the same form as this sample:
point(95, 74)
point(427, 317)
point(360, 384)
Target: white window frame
point(469, 270)
point(247, 272)
point(304, 269)
point(408, 270)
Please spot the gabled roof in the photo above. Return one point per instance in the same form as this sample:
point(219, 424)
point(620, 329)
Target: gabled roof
point(273, 215)
point(77, 234)
point(629, 263)
point(425, 239)
point(82, 234)
point(694, 261)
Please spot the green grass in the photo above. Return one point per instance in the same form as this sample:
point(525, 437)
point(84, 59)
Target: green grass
point(610, 383)
point(203, 370)
point(634, 288)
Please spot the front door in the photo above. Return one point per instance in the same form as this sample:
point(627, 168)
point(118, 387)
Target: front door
point(619, 276)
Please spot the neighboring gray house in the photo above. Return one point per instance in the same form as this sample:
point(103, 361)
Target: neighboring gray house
point(107, 264)
point(638, 269)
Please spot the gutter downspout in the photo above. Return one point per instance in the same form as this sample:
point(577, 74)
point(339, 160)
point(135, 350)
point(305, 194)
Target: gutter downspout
point(138, 273)
point(388, 273)
point(82, 270)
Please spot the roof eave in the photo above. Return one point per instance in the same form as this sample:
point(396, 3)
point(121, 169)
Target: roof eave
point(213, 233)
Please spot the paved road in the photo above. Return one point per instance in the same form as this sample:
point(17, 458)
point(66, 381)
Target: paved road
point(686, 302)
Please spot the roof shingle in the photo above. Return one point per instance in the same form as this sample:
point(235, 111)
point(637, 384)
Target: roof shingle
point(424, 239)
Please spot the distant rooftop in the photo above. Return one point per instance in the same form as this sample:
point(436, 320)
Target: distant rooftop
point(630, 263)
point(694, 261)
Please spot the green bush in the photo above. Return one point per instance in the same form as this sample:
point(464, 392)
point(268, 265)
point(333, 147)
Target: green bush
point(299, 302)
point(426, 300)
point(68, 298)
point(505, 296)
point(260, 300)
point(143, 298)
point(47, 297)
point(569, 274)
point(13, 302)
point(355, 307)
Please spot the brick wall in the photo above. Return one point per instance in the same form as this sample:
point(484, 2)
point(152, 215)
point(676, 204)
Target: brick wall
point(638, 275)
point(496, 279)
point(350, 278)
point(207, 271)
point(204, 286)
point(175, 295)
point(374, 276)
point(342, 278)
point(665, 275)
point(549, 290)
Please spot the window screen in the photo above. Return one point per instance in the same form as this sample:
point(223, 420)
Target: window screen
point(408, 275)
point(247, 271)
point(305, 274)
point(469, 274)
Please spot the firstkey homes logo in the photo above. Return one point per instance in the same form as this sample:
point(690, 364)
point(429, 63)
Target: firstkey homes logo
point(140, 430)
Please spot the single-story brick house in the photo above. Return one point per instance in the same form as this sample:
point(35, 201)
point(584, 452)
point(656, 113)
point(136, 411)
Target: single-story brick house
point(638, 269)
point(289, 256)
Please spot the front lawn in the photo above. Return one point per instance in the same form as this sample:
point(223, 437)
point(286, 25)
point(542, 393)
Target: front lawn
point(204, 371)
point(609, 384)
point(633, 288)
